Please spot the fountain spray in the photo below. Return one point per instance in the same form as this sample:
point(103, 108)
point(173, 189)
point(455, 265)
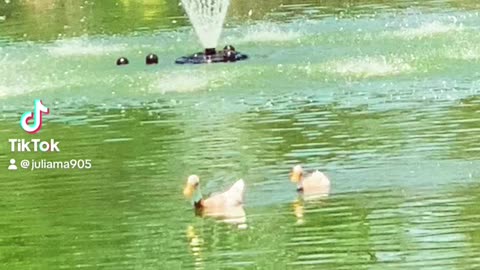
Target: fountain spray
point(207, 17)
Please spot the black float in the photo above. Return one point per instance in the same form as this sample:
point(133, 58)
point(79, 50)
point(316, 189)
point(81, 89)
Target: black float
point(228, 54)
point(122, 61)
point(151, 59)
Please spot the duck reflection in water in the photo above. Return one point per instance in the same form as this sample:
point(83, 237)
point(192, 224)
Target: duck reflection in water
point(196, 247)
point(226, 206)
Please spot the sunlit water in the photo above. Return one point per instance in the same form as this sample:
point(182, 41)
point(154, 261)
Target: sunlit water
point(384, 98)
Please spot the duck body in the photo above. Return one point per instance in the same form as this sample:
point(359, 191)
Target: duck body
point(231, 197)
point(315, 184)
point(227, 205)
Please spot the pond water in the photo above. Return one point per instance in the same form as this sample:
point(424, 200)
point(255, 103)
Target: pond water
point(382, 96)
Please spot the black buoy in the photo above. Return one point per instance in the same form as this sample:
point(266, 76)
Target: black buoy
point(229, 56)
point(151, 59)
point(229, 48)
point(122, 61)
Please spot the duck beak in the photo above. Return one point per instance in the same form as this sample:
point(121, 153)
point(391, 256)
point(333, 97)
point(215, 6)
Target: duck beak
point(188, 191)
point(295, 177)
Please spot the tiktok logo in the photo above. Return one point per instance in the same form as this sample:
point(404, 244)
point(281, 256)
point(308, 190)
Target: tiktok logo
point(37, 117)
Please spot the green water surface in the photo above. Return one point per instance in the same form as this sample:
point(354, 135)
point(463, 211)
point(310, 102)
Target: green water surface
point(382, 96)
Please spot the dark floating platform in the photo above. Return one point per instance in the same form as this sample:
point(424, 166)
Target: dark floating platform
point(227, 55)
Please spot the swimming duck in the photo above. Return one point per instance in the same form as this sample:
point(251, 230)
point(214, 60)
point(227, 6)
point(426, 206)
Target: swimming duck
point(227, 205)
point(315, 184)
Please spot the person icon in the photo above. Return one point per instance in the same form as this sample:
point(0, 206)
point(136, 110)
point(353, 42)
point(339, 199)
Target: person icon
point(12, 166)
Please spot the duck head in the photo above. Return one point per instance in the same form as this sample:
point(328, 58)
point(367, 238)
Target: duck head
point(192, 189)
point(296, 175)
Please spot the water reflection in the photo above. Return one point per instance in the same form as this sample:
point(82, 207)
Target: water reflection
point(302, 206)
point(53, 19)
point(196, 247)
point(466, 130)
point(130, 208)
point(327, 235)
point(470, 215)
point(299, 211)
point(232, 215)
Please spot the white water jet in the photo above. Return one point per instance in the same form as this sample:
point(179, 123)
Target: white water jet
point(207, 17)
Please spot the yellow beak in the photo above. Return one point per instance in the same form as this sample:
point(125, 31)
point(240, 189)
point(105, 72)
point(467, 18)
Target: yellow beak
point(188, 191)
point(295, 177)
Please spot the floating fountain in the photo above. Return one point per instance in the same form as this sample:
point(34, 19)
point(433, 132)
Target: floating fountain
point(207, 17)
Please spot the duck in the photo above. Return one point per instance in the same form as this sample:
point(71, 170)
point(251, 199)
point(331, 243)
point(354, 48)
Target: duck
point(227, 205)
point(315, 184)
